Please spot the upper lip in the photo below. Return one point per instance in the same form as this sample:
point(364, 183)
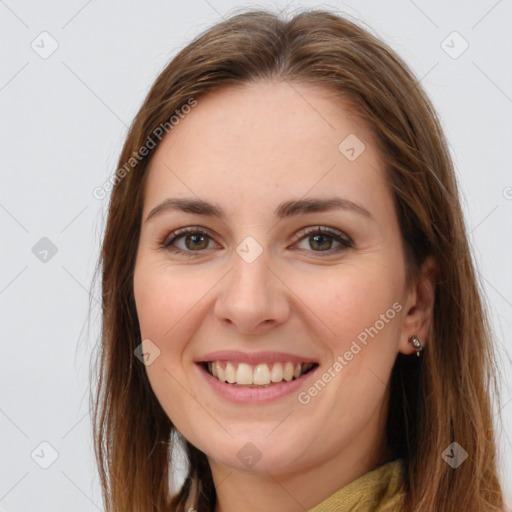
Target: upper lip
point(254, 357)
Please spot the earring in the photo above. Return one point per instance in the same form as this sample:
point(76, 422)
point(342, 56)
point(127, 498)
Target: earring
point(416, 344)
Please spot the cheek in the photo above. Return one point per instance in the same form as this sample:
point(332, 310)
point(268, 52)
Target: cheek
point(165, 303)
point(164, 299)
point(347, 301)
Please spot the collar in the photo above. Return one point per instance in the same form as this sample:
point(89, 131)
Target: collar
point(379, 490)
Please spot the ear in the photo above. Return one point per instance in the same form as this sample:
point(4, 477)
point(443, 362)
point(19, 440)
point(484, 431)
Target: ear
point(419, 307)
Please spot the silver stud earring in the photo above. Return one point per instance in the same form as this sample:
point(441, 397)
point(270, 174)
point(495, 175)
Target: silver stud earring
point(416, 344)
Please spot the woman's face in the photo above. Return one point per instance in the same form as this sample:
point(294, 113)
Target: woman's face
point(259, 289)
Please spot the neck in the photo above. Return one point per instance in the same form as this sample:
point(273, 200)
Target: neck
point(302, 489)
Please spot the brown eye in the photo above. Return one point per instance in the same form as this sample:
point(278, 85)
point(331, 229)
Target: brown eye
point(194, 240)
point(321, 239)
point(322, 242)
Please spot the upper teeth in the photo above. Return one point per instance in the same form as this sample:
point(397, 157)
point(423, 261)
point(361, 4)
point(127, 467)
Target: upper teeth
point(260, 374)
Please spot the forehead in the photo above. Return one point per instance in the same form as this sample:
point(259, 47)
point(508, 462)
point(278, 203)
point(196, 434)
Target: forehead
point(266, 140)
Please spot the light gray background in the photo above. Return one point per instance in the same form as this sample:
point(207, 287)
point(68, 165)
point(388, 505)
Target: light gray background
point(63, 120)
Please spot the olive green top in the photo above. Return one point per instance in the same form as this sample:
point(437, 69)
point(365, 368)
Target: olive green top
point(379, 490)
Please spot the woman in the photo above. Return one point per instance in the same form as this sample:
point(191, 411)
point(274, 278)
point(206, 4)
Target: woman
point(284, 238)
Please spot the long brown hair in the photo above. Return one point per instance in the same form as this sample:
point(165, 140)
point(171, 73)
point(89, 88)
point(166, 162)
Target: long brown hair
point(444, 397)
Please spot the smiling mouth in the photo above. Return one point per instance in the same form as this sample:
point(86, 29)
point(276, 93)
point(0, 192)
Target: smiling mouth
point(261, 375)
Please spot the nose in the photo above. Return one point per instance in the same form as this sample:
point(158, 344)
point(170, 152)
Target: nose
point(253, 298)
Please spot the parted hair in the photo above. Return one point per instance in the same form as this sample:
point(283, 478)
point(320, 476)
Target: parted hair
point(443, 397)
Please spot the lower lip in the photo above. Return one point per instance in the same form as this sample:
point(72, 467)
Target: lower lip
point(242, 394)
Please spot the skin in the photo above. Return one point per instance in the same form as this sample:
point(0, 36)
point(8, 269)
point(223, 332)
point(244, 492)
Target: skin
point(247, 149)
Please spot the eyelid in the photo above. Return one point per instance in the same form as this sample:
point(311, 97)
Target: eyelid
point(318, 228)
point(165, 242)
point(171, 236)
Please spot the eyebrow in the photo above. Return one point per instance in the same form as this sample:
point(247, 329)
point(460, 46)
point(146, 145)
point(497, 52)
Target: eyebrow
point(286, 209)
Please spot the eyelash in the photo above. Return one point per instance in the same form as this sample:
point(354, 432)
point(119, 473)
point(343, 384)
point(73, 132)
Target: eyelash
point(165, 243)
